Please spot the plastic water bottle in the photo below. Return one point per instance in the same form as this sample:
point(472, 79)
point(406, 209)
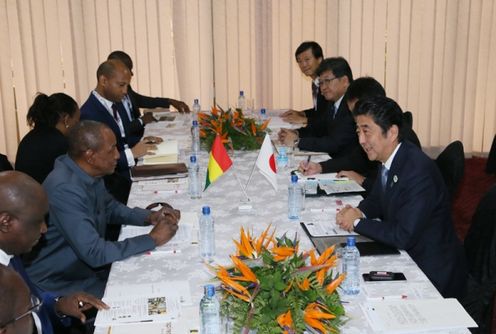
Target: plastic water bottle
point(263, 114)
point(242, 101)
point(194, 178)
point(195, 138)
point(295, 198)
point(210, 312)
point(195, 110)
point(282, 158)
point(351, 266)
point(207, 235)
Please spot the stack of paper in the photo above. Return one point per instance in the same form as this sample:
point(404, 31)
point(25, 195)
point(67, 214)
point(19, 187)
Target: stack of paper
point(167, 152)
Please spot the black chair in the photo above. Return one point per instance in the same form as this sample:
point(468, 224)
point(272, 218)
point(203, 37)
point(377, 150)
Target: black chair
point(408, 118)
point(4, 163)
point(480, 249)
point(451, 163)
point(491, 159)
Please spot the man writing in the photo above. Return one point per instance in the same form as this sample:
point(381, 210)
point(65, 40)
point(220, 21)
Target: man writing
point(75, 254)
point(408, 207)
point(23, 206)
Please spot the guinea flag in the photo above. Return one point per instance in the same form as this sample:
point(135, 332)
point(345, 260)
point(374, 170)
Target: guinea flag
point(218, 162)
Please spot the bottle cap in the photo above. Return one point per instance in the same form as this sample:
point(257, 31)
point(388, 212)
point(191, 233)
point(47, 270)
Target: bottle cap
point(195, 123)
point(196, 101)
point(294, 178)
point(350, 241)
point(209, 290)
point(241, 93)
point(192, 158)
point(206, 210)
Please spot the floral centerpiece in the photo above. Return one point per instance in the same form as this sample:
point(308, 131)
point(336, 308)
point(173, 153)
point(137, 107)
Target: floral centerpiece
point(273, 288)
point(236, 130)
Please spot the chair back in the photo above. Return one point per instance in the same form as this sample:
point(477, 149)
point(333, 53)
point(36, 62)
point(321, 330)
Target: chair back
point(491, 159)
point(4, 163)
point(451, 163)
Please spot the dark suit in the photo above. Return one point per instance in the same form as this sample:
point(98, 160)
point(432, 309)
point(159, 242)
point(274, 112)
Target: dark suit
point(138, 101)
point(340, 135)
point(38, 150)
point(358, 161)
point(92, 109)
point(415, 216)
point(317, 119)
point(4, 163)
point(46, 314)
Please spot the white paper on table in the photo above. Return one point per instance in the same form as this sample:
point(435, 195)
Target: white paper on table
point(406, 316)
point(340, 186)
point(186, 234)
point(178, 290)
point(326, 229)
point(148, 328)
point(135, 309)
point(322, 176)
point(166, 152)
point(389, 290)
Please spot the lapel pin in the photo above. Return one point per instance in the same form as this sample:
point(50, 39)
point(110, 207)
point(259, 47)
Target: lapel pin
point(395, 178)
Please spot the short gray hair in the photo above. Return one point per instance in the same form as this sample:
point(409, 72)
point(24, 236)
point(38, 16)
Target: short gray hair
point(85, 135)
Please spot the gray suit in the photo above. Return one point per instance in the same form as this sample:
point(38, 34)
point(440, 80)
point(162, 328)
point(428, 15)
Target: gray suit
point(74, 253)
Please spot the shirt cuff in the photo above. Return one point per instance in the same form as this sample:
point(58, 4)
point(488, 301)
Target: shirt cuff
point(129, 157)
point(355, 223)
point(140, 120)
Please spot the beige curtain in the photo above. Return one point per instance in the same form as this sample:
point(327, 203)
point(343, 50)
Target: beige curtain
point(433, 56)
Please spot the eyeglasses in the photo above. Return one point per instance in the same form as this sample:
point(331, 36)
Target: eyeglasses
point(35, 307)
point(326, 81)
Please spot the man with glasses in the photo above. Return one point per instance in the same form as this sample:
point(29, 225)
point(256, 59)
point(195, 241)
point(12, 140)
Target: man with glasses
point(340, 138)
point(23, 206)
point(16, 306)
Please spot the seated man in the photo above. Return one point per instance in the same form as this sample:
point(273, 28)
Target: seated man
point(356, 165)
point(75, 252)
point(334, 77)
point(23, 206)
point(309, 56)
point(409, 206)
point(15, 304)
point(133, 101)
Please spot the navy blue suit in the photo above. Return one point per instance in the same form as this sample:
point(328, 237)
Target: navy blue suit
point(47, 310)
point(415, 216)
point(92, 109)
point(339, 137)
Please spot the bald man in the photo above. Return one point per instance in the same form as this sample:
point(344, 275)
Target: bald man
point(23, 206)
point(15, 305)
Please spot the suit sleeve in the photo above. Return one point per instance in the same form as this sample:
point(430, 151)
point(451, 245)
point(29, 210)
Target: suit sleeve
point(79, 228)
point(143, 101)
point(406, 221)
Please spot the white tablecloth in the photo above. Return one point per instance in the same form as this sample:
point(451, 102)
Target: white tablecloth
point(269, 207)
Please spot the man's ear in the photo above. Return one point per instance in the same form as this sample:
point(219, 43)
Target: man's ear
point(89, 156)
point(394, 132)
point(5, 222)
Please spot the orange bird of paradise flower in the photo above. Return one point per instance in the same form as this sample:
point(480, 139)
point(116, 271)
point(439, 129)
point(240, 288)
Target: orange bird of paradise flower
point(251, 248)
point(325, 260)
point(331, 287)
point(315, 314)
point(283, 252)
point(286, 322)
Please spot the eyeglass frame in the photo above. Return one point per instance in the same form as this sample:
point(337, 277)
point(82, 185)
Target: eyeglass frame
point(36, 304)
point(327, 81)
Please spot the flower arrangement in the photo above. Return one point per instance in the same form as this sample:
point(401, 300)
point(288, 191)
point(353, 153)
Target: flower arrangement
point(274, 288)
point(236, 130)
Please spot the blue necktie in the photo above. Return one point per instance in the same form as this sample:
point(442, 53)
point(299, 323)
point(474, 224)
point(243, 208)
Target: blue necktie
point(332, 110)
point(384, 176)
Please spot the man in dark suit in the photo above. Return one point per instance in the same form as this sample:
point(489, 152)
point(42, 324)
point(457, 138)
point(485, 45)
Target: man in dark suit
point(23, 206)
point(334, 78)
point(356, 164)
point(104, 105)
point(133, 101)
point(308, 56)
point(409, 206)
